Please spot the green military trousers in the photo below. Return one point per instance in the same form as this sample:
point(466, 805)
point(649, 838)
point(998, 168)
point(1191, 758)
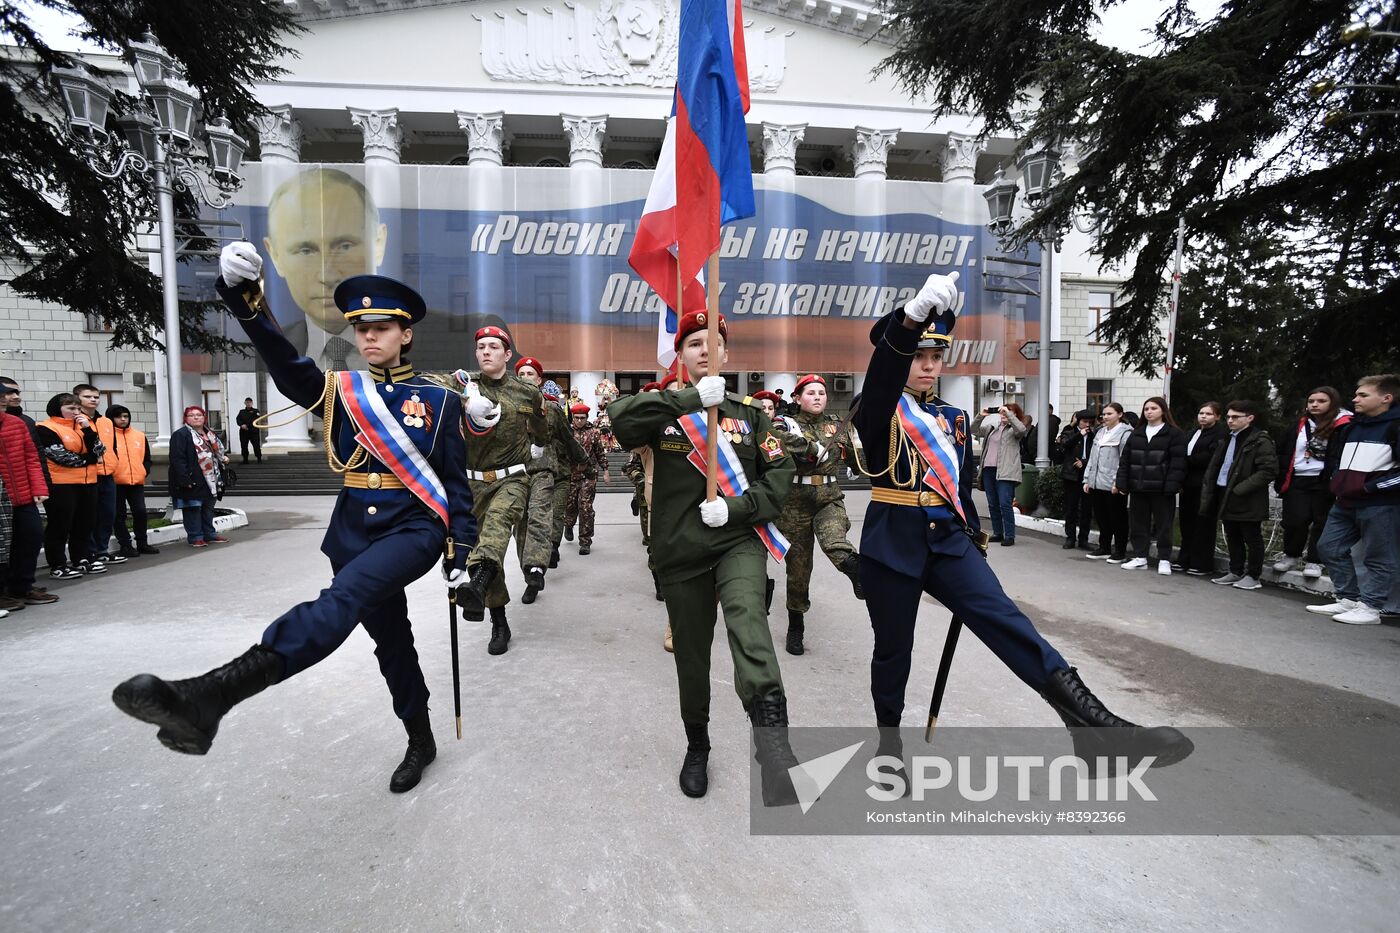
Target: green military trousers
point(736, 583)
point(561, 508)
point(532, 532)
point(498, 507)
point(812, 512)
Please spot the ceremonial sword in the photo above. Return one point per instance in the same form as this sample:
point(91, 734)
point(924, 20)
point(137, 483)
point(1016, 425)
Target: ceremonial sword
point(452, 620)
point(945, 664)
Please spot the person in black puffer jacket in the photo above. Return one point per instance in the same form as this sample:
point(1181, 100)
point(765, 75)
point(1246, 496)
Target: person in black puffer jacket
point(1197, 553)
point(1151, 471)
point(1075, 444)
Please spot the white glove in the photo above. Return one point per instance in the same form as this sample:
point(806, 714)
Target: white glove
point(483, 412)
point(536, 451)
point(715, 514)
point(939, 293)
point(453, 578)
point(823, 453)
point(239, 261)
point(711, 390)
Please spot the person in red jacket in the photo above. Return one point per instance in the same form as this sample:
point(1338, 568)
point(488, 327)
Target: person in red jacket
point(23, 476)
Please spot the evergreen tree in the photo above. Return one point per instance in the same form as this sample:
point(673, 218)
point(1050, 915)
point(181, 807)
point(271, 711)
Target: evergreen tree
point(1222, 123)
point(64, 229)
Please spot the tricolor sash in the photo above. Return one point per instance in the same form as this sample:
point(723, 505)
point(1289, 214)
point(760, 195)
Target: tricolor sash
point(382, 435)
point(929, 435)
point(731, 478)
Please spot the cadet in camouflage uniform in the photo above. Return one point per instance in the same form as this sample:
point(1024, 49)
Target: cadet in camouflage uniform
point(817, 507)
point(532, 533)
point(711, 551)
point(583, 483)
point(566, 452)
point(506, 428)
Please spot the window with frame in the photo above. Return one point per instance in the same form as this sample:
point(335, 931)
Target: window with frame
point(1097, 394)
point(1100, 307)
point(110, 389)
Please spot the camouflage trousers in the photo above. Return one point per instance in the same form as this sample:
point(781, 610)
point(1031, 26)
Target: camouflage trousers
point(532, 533)
point(561, 507)
point(498, 507)
point(812, 512)
point(581, 493)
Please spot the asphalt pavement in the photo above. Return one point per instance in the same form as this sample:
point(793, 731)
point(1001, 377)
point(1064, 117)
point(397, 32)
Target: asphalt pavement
point(559, 808)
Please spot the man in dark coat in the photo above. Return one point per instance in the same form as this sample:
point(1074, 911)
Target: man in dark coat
point(1236, 493)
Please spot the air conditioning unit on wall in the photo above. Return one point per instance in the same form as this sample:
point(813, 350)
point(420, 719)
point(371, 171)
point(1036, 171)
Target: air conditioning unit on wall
point(755, 377)
point(993, 385)
point(1015, 387)
point(143, 380)
point(841, 384)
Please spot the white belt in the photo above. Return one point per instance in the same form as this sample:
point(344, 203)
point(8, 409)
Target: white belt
point(490, 476)
point(815, 480)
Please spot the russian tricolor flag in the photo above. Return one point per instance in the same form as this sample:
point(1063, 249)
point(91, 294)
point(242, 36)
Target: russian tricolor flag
point(703, 178)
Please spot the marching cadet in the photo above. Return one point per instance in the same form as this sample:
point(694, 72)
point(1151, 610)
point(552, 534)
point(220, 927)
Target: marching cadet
point(709, 550)
point(921, 535)
point(816, 508)
point(566, 453)
point(506, 429)
point(532, 533)
point(397, 440)
point(583, 483)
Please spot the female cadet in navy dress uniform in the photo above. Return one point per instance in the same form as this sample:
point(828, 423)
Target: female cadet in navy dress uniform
point(900, 420)
point(402, 500)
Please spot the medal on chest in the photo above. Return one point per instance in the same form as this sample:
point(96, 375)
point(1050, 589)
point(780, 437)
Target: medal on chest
point(736, 429)
point(416, 412)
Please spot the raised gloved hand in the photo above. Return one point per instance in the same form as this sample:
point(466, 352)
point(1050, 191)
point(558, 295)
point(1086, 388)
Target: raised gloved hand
point(536, 451)
point(483, 412)
point(938, 294)
point(715, 514)
point(239, 262)
point(711, 390)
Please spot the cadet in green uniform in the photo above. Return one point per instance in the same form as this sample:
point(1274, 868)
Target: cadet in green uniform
point(566, 453)
point(817, 507)
point(506, 428)
point(714, 550)
point(536, 524)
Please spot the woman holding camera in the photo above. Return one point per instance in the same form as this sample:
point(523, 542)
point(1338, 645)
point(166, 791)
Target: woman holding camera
point(1151, 471)
point(1001, 432)
point(1100, 478)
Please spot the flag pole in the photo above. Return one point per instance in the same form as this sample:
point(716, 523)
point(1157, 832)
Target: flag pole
point(680, 313)
point(712, 306)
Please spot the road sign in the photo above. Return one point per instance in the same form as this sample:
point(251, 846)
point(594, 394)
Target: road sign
point(1059, 350)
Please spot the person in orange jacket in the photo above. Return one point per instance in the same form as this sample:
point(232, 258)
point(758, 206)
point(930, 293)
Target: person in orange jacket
point(105, 511)
point(131, 458)
point(68, 440)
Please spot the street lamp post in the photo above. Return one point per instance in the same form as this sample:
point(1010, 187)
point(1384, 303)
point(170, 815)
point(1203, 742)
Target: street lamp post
point(1039, 169)
point(159, 144)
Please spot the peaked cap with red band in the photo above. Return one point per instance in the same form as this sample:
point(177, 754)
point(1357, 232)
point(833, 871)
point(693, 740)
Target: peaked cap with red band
point(523, 361)
point(493, 331)
point(806, 381)
point(697, 320)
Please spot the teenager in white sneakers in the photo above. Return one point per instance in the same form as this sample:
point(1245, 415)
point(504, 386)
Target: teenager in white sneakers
point(1363, 461)
point(1151, 471)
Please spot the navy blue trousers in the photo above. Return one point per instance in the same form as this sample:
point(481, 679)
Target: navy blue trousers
point(961, 580)
point(368, 591)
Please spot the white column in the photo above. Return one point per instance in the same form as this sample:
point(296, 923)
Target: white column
point(293, 436)
point(872, 151)
point(785, 381)
point(857, 383)
point(585, 383)
point(279, 135)
point(587, 138)
point(383, 136)
point(163, 426)
point(959, 158)
point(780, 147)
point(485, 136)
point(960, 391)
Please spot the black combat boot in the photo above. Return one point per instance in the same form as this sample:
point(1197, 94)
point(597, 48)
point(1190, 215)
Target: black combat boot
point(188, 711)
point(421, 752)
point(500, 632)
point(554, 557)
point(1097, 733)
point(892, 744)
point(568, 532)
point(851, 568)
point(794, 633)
point(585, 549)
point(695, 778)
point(534, 582)
point(471, 596)
point(771, 750)
point(656, 582)
point(768, 586)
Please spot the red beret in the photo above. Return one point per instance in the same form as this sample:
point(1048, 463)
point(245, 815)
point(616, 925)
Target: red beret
point(523, 361)
point(578, 408)
point(765, 394)
point(669, 381)
point(697, 320)
point(808, 380)
point(493, 331)
point(651, 386)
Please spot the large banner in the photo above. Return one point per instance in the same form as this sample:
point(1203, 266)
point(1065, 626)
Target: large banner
point(543, 251)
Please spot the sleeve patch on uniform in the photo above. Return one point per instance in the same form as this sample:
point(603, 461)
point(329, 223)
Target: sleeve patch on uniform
point(772, 447)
